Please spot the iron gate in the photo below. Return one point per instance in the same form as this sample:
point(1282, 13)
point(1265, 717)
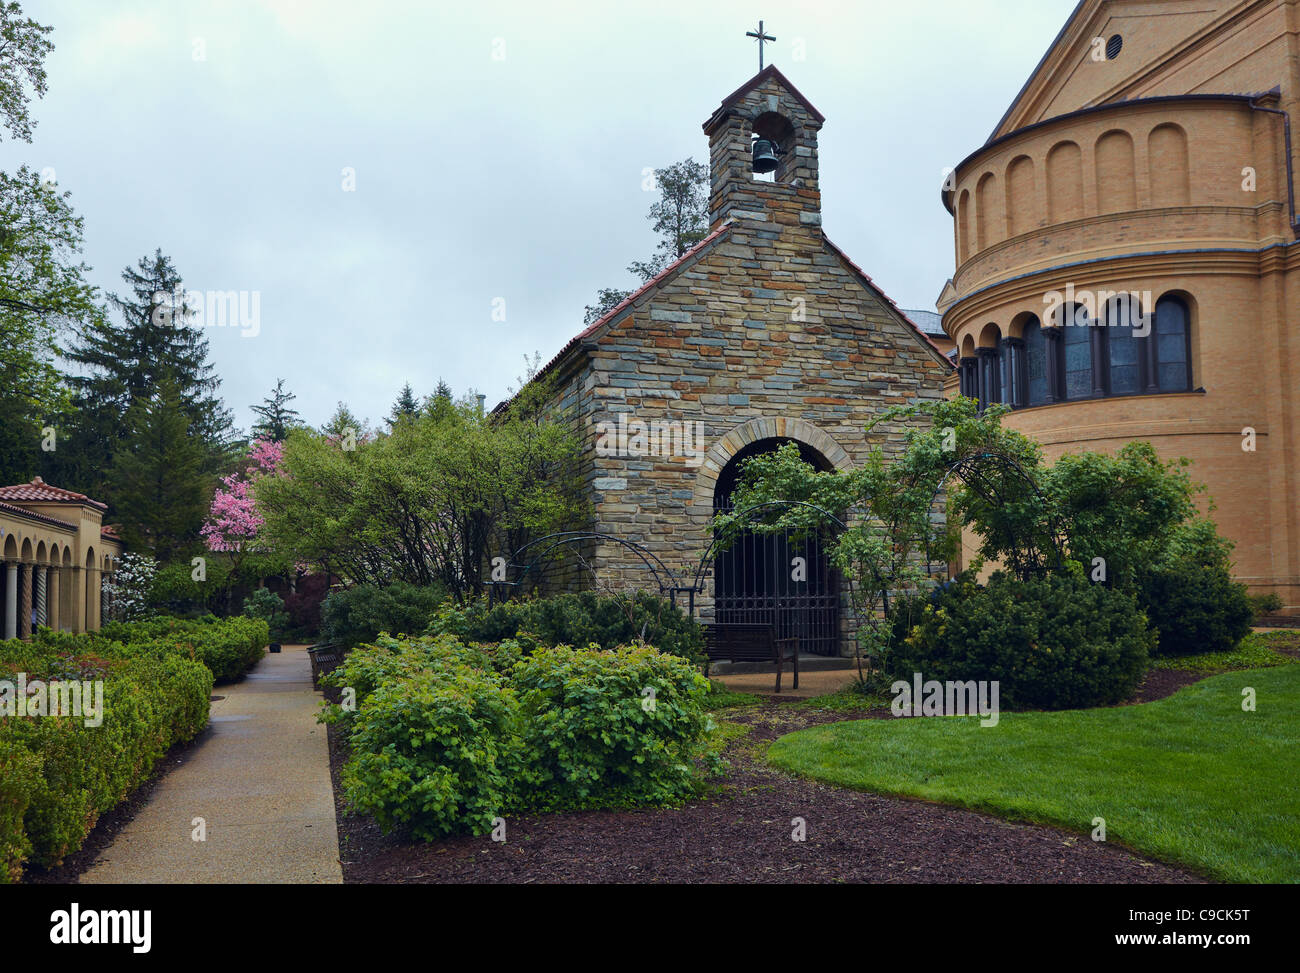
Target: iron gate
point(755, 582)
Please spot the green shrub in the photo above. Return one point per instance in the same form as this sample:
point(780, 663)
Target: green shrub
point(445, 736)
point(229, 647)
point(357, 615)
point(436, 752)
point(1053, 643)
point(1194, 608)
point(61, 775)
point(1262, 605)
point(389, 659)
point(268, 606)
point(19, 775)
point(174, 589)
point(581, 618)
point(610, 728)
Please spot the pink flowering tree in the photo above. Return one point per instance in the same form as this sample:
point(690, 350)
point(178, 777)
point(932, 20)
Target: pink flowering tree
point(234, 522)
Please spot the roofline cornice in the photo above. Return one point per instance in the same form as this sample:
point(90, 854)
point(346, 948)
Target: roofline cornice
point(1218, 260)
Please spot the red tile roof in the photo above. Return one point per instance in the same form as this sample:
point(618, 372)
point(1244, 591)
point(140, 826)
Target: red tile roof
point(9, 508)
point(110, 530)
point(38, 491)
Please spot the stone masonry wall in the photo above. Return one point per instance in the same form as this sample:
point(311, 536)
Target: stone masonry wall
point(765, 331)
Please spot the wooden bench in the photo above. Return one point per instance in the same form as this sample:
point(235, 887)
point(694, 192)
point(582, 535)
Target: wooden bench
point(753, 643)
point(325, 658)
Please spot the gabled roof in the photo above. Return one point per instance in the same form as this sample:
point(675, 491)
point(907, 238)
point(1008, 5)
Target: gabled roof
point(38, 491)
point(768, 72)
point(930, 322)
point(871, 286)
point(1184, 31)
point(617, 311)
point(1051, 49)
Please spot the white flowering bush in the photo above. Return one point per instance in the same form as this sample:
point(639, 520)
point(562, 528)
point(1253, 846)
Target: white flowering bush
point(126, 590)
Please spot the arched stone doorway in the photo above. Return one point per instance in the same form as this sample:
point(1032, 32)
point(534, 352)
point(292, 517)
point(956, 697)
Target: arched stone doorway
point(773, 578)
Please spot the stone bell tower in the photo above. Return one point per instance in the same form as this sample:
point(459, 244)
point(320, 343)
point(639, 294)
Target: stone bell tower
point(768, 120)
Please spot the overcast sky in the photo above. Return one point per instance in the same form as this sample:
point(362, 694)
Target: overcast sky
point(498, 151)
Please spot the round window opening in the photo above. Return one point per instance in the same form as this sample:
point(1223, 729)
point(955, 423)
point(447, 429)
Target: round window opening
point(1114, 46)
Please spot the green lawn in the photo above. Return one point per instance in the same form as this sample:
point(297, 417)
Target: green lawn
point(1190, 779)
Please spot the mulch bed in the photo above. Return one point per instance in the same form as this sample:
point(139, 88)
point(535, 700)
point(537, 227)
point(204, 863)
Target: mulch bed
point(1160, 683)
point(1291, 645)
point(742, 833)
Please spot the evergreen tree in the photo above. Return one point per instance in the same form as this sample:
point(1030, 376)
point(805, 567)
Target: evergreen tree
point(346, 428)
point(277, 417)
point(158, 475)
point(440, 404)
point(681, 215)
point(405, 407)
point(607, 298)
point(124, 364)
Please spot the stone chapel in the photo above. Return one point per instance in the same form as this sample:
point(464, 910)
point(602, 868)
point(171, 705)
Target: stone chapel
point(765, 332)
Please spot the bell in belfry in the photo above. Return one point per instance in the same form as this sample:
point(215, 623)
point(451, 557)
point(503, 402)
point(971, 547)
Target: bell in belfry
point(765, 153)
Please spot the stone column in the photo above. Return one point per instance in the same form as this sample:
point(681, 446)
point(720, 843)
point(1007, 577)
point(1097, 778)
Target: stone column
point(55, 594)
point(1055, 368)
point(78, 619)
point(11, 600)
point(25, 601)
point(968, 376)
point(92, 603)
point(1100, 364)
point(41, 595)
point(989, 378)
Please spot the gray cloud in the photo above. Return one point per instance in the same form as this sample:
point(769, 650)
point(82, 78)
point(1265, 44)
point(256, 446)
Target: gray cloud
point(479, 178)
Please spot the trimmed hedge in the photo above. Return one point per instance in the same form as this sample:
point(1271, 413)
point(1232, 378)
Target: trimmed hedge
point(57, 775)
point(229, 647)
point(446, 735)
point(582, 618)
point(1058, 642)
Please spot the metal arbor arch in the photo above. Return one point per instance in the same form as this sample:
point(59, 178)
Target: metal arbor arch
point(665, 580)
point(970, 469)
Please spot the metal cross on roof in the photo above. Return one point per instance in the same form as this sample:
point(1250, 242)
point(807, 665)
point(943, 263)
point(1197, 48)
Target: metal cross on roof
point(760, 37)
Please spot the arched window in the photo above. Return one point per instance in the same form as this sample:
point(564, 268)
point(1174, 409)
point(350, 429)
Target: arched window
point(1173, 360)
point(1123, 348)
point(1036, 362)
point(1076, 353)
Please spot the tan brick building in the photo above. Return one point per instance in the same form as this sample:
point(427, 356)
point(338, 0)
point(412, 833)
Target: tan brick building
point(54, 554)
point(1142, 185)
point(763, 333)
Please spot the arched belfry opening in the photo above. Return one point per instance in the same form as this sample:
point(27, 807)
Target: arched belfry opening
point(772, 147)
point(775, 578)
